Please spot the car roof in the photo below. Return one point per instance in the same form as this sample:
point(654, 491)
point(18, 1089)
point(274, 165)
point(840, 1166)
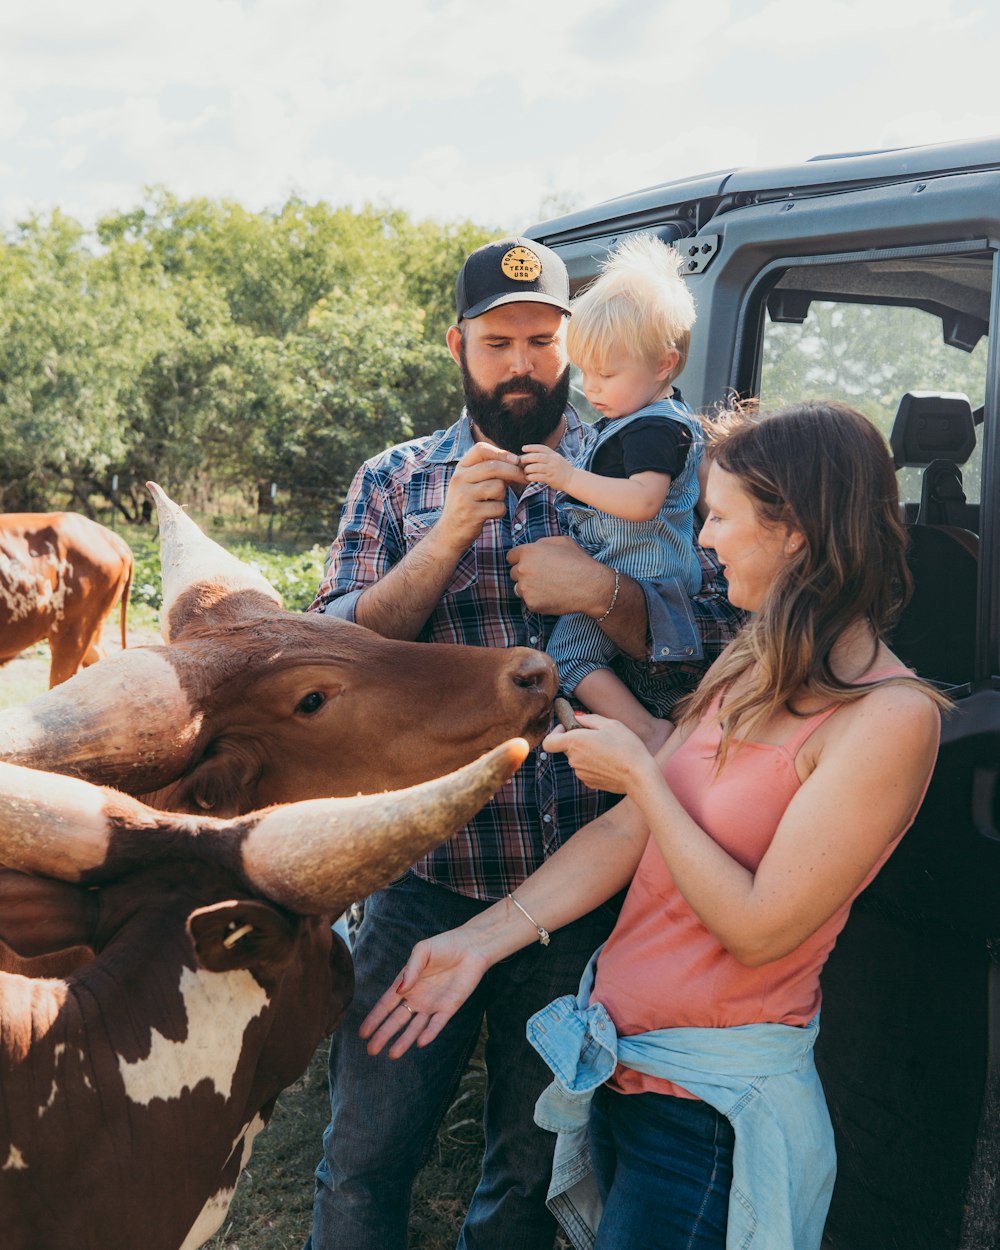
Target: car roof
point(817, 175)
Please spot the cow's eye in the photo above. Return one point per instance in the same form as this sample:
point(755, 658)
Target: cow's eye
point(311, 702)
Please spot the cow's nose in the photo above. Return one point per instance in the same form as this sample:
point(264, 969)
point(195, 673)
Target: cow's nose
point(535, 671)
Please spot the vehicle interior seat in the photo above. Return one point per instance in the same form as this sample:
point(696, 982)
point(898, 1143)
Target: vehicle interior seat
point(936, 632)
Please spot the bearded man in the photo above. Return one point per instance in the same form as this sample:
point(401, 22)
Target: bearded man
point(442, 539)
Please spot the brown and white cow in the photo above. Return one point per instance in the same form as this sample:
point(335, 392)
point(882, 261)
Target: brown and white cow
point(61, 575)
point(164, 981)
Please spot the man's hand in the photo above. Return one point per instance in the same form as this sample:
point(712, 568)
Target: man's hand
point(554, 576)
point(543, 464)
point(476, 494)
point(399, 604)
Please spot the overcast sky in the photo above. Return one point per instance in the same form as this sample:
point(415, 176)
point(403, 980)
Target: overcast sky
point(456, 109)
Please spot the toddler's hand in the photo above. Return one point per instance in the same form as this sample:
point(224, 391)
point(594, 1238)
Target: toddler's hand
point(542, 464)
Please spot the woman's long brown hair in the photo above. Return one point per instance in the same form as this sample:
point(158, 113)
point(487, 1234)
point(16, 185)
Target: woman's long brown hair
point(824, 469)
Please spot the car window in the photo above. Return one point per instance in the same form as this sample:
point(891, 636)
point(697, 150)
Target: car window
point(902, 336)
point(869, 355)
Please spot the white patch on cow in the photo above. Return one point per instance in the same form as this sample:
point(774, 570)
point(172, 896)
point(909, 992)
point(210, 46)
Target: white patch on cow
point(219, 1006)
point(34, 589)
point(21, 591)
point(57, 1054)
point(53, 1095)
point(15, 1161)
point(214, 1211)
point(209, 1221)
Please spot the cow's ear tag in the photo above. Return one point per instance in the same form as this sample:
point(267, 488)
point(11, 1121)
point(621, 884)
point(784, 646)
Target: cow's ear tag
point(241, 933)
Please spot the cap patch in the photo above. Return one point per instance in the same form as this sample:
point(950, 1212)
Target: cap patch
point(520, 264)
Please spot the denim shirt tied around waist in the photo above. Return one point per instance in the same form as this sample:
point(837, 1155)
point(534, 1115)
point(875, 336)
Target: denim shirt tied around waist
point(761, 1077)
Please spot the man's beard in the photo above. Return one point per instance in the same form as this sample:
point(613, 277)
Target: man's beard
point(528, 419)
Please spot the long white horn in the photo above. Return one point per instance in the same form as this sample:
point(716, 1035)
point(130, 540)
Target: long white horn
point(313, 857)
point(318, 856)
point(194, 566)
point(126, 722)
point(59, 826)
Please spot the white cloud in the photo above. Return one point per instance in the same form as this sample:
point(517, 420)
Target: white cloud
point(859, 24)
point(74, 157)
point(12, 116)
point(454, 110)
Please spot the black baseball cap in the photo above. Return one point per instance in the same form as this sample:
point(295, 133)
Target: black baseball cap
point(511, 271)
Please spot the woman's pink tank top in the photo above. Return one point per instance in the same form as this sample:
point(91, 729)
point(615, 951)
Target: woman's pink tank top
point(661, 968)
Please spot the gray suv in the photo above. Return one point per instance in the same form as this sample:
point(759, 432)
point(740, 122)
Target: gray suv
point(872, 278)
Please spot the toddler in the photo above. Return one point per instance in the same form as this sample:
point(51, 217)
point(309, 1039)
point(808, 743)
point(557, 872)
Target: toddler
point(631, 493)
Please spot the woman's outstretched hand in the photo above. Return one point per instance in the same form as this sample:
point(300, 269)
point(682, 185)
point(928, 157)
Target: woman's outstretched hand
point(438, 977)
point(603, 753)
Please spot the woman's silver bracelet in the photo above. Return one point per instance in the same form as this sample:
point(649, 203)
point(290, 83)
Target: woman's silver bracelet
point(543, 935)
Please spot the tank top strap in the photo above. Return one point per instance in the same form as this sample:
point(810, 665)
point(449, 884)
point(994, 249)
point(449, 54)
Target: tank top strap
point(807, 727)
point(794, 744)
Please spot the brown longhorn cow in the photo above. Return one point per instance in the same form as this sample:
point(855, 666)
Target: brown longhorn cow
point(248, 705)
point(61, 575)
point(163, 975)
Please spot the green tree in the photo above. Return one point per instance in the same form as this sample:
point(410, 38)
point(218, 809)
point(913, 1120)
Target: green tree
point(206, 346)
point(360, 377)
point(75, 335)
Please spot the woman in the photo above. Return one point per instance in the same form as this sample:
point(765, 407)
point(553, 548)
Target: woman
point(796, 767)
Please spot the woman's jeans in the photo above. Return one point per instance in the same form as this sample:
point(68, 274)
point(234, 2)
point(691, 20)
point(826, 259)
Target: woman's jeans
point(386, 1113)
point(664, 1168)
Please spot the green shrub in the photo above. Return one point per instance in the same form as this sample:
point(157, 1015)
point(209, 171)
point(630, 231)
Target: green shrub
point(294, 574)
point(146, 588)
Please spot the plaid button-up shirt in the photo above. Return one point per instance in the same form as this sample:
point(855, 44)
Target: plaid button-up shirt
point(394, 500)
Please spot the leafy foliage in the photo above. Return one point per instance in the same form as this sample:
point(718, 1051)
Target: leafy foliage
point(207, 347)
point(293, 572)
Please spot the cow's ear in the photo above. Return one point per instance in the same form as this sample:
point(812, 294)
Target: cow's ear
point(241, 933)
point(221, 785)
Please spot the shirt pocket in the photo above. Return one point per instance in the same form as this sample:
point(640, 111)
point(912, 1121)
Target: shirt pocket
point(416, 526)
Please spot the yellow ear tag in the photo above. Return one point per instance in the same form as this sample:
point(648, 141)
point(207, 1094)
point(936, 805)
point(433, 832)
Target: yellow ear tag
point(521, 265)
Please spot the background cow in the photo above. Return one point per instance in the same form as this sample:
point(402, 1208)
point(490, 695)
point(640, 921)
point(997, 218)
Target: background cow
point(60, 578)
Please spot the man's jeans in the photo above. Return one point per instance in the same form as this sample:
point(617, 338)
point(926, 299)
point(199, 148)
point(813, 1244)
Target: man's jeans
point(386, 1113)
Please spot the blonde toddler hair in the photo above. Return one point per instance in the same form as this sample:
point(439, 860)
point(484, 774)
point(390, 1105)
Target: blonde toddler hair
point(639, 303)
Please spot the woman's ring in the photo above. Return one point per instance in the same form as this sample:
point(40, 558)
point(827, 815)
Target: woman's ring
point(407, 1006)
